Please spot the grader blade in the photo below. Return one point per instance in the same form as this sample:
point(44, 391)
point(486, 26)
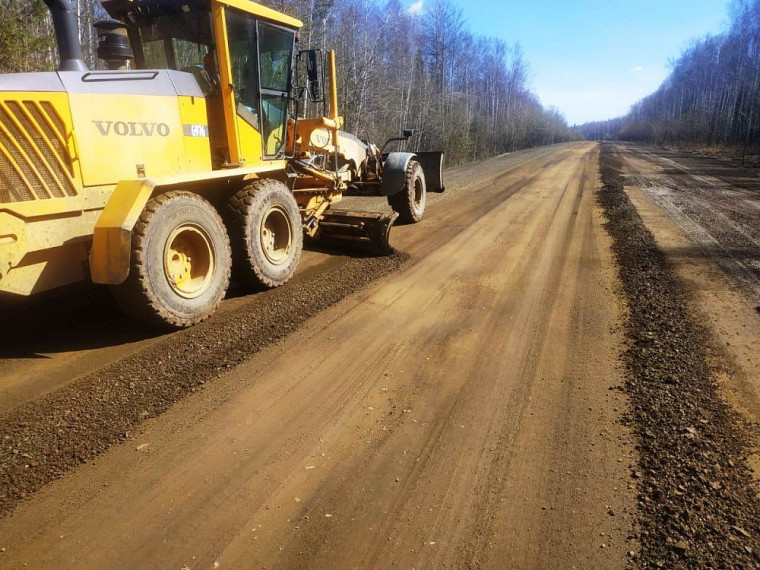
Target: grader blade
point(369, 231)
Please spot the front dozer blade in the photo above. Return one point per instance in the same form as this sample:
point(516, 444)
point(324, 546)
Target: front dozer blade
point(367, 231)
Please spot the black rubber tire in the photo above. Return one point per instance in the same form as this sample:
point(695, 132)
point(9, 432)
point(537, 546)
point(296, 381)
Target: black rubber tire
point(147, 294)
point(410, 202)
point(247, 210)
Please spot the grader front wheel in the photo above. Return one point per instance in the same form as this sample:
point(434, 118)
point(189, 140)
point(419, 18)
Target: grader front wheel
point(180, 262)
point(410, 202)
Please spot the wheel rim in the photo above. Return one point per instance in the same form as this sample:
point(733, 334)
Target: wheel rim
point(418, 193)
point(189, 260)
point(276, 236)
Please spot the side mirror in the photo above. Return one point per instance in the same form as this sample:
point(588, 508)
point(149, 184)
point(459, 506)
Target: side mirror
point(407, 133)
point(315, 75)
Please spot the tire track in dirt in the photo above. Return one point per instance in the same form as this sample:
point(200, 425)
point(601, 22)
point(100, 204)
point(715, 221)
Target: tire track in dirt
point(708, 209)
point(493, 483)
point(446, 403)
point(446, 506)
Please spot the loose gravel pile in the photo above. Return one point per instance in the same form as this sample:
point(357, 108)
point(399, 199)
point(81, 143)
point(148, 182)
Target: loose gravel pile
point(46, 438)
point(698, 505)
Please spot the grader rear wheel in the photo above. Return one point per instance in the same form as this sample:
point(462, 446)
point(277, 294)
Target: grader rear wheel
point(189, 260)
point(180, 262)
point(410, 202)
point(267, 238)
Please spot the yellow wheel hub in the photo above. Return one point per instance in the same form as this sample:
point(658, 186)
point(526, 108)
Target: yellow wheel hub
point(417, 192)
point(189, 260)
point(276, 235)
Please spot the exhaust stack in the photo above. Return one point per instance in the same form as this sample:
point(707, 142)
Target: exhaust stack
point(67, 35)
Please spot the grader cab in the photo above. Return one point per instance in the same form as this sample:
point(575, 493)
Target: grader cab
point(186, 161)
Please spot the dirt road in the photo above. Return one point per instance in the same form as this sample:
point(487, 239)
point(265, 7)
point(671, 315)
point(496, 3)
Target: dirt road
point(460, 411)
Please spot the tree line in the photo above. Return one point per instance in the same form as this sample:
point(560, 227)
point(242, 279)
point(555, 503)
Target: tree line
point(711, 97)
point(460, 92)
point(27, 41)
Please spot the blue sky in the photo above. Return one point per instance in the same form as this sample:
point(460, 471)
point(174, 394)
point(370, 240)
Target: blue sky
point(592, 59)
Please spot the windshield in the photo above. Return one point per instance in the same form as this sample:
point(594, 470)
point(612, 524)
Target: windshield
point(275, 56)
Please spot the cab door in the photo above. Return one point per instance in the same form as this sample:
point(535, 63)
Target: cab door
point(260, 60)
point(275, 66)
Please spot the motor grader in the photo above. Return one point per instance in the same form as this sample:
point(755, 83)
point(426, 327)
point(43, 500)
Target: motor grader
point(186, 161)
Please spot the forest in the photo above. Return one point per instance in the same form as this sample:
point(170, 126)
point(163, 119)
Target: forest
point(711, 97)
point(460, 92)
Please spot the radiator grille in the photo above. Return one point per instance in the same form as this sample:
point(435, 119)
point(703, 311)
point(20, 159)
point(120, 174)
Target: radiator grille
point(34, 161)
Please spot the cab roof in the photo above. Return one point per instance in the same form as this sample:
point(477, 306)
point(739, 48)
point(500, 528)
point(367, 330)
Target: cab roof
point(129, 10)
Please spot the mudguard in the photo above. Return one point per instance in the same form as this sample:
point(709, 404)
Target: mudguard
point(394, 171)
point(112, 238)
point(432, 166)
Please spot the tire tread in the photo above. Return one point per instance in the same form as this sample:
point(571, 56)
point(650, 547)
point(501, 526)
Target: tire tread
point(134, 295)
point(403, 202)
point(240, 208)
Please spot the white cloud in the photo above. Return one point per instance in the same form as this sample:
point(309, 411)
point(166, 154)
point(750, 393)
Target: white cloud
point(638, 68)
point(416, 8)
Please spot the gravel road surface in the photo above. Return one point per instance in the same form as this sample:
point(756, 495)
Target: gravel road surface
point(465, 402)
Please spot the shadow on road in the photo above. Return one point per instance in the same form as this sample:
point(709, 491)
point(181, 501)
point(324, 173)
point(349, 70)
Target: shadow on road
point(78, 317)
point(85, 317)
point(749, 257)
point(732, 174)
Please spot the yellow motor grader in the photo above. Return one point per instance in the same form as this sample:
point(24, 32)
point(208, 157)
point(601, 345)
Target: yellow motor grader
point(186, 160)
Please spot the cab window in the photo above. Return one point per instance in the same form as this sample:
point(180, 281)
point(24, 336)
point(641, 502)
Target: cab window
point(241, 30)
point(275, 56)
point(177, 41)
point(275, 62)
